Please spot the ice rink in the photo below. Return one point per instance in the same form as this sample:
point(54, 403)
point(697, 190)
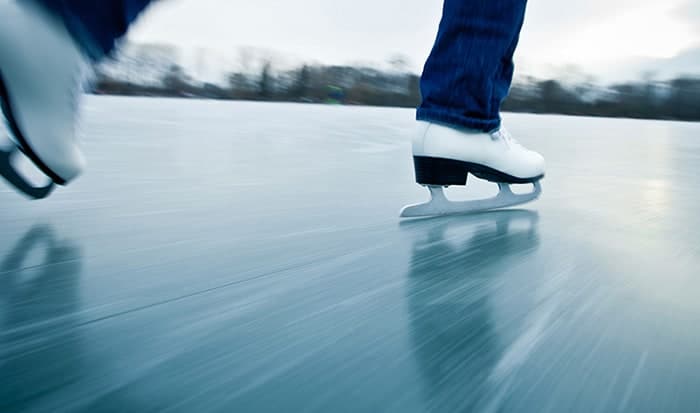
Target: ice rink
point(248, 257)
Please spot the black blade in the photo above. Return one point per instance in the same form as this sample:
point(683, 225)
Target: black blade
point(10, 174)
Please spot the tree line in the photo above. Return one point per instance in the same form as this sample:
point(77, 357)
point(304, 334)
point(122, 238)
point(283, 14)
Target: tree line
point(674, 99)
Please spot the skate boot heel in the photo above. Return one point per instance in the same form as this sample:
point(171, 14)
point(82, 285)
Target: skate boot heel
point(440, 171)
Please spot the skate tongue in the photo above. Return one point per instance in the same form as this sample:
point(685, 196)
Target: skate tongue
point(503, 134)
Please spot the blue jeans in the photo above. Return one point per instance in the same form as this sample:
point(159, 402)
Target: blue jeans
point(470, 69)
point(97, 24)
point(466, 77)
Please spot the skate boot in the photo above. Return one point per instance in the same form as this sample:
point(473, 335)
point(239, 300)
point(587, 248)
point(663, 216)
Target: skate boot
point(445, 156)
point(41, 74)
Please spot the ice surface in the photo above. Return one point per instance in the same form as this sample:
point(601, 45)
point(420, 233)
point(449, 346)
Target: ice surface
point(248, 257)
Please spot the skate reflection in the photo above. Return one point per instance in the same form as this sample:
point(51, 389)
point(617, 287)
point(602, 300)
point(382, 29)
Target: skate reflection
point(456, 265)
point(40, 349)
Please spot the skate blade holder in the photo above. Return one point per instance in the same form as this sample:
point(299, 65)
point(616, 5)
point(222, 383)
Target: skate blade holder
point(439, 204)
point(18, 169)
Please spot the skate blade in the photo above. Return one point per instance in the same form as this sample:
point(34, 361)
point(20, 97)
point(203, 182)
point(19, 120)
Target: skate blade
point(8, 171)
point(440, 205)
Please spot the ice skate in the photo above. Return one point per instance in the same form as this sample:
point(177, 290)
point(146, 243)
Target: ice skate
point(41, 74)
point(445, 156)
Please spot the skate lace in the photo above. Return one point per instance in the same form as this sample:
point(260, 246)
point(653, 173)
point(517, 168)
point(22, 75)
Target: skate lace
point(505, 136)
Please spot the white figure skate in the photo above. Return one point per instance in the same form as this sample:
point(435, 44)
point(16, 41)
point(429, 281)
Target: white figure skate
point(41, 75)
point(445, 156)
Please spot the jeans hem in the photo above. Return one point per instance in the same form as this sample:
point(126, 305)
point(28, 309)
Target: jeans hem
point(87, 44)
point(90, 47)
point(459, 121)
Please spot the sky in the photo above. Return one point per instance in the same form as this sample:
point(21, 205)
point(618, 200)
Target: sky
point(590, 35)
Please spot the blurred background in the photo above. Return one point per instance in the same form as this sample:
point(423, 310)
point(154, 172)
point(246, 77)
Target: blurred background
point(615, 58)
point(226, 255)
point(224, 252)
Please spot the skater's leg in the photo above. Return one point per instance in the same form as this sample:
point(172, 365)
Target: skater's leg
point(470, 68)
point(466, 77)
point(46, 47)
point(97, 25)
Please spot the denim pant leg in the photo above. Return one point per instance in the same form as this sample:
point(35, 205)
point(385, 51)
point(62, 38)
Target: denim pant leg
point(97, 24)
point(470, 69)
